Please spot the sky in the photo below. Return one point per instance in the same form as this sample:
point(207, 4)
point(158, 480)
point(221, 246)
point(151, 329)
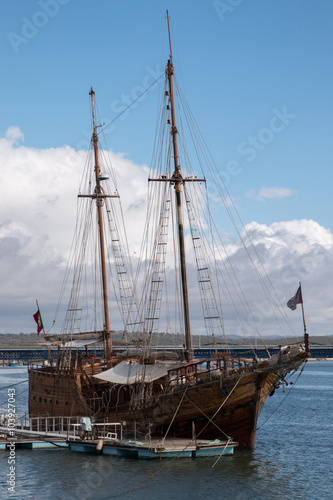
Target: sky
point(258, 77)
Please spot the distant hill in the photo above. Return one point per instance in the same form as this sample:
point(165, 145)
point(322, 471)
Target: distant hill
point(26, 340)
point(19, 340)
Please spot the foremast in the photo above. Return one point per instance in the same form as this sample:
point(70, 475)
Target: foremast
point(99, 196)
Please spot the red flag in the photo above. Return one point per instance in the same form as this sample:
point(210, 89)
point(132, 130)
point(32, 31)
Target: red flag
point(39, 321)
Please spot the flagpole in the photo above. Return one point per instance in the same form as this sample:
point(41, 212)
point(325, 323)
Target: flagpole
point(306, 335)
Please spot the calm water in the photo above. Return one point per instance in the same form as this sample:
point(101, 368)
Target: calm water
point(293, 458)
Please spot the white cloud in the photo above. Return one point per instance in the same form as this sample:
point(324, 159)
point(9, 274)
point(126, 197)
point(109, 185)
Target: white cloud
point(38, 197)
point(270, 193)
point(38, 209)
point(14, 135)
point(291, 252)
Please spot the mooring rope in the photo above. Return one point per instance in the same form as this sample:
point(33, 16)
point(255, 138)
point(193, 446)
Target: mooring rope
point(189, 444)
point(223, 402)
point(12, 385)
point(222, 452)
point(283, 400)
point(173, 418)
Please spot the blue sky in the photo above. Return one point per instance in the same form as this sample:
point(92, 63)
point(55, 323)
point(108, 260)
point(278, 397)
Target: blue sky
point(237, 64)
point(257, 75)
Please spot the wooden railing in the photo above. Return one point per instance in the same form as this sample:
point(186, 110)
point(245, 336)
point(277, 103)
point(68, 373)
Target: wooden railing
point(208, 368)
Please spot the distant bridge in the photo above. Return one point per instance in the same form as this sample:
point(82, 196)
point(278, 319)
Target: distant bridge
point(41, 354)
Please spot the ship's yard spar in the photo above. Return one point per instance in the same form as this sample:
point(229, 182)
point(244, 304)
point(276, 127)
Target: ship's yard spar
point(151, 389)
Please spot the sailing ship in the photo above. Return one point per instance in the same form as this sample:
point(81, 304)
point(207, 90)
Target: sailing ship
point(155, 390)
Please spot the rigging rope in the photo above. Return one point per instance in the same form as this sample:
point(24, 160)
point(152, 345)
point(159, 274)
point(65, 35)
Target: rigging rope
point(199, 144)
point(139, 97)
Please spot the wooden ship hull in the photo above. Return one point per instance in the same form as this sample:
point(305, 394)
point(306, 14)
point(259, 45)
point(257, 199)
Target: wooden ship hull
point(222, 400)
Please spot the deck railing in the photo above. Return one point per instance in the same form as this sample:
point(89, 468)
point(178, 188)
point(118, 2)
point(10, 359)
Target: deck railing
point(207, 369)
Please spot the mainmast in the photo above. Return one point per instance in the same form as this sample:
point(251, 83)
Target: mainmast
point(177, 179)
point(99, 202)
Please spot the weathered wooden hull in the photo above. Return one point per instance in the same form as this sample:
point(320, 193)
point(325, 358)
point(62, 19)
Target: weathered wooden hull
point(233, 404)
point(52, 393)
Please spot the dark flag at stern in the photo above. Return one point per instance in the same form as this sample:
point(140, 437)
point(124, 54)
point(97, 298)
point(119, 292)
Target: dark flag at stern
point(296, 299)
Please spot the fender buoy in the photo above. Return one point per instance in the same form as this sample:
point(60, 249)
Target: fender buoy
point(99, 445)
point(82, 433)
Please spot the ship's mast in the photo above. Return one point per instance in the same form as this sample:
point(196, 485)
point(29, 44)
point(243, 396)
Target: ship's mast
point(99, 202)
point(177, 179)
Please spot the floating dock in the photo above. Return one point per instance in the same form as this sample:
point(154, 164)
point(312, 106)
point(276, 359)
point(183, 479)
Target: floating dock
point(155, 448)
point(28, 439)
point(31, 444)
point(79, 435)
